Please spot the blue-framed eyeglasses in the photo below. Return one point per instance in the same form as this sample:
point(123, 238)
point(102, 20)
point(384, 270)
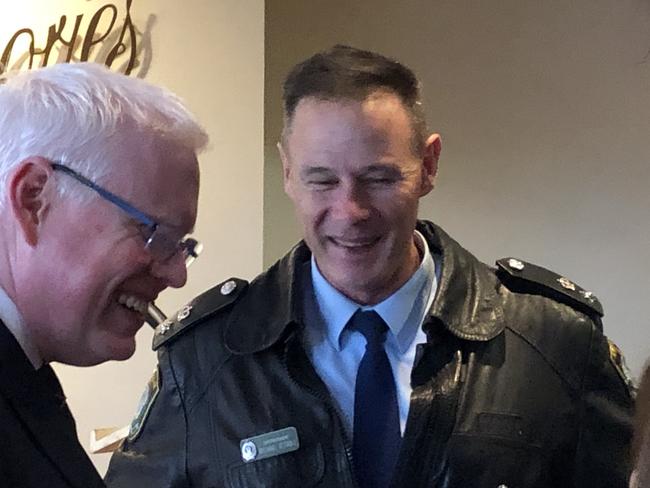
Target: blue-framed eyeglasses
point(160, 241)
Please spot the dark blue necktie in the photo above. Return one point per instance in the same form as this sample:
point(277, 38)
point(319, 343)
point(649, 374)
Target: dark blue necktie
point(376, 436)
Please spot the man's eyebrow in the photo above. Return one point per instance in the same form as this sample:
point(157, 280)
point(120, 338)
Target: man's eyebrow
point(383, 167)
point(386, 169)
point(315, 171)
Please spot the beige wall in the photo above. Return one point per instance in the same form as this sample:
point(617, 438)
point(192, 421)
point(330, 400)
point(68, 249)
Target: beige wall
point(212, 54)
point(543, 108)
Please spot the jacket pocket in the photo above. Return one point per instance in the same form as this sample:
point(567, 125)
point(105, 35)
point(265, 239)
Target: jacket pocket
point(302, 468)
point(490, 461)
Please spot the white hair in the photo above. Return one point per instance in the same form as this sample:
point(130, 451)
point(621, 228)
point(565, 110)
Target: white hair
point(66, 112)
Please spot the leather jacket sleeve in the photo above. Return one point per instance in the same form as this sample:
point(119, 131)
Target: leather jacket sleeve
point(155, 455)
point(606, 405)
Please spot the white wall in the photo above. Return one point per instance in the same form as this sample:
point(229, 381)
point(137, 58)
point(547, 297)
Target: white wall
point(543, 109)
point(212, 54)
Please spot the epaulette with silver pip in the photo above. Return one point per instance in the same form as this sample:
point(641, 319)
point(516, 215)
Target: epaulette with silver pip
point(525, 277)
point(199, 309)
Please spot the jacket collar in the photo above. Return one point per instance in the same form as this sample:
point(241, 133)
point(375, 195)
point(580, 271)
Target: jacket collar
point(466, 303)
point(38, 402)
point(271, 306)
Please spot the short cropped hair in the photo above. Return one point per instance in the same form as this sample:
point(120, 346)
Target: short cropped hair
point(344, 72)
point(66, 112)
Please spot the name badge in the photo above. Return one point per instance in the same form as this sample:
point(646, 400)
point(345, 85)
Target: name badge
point(270, 444)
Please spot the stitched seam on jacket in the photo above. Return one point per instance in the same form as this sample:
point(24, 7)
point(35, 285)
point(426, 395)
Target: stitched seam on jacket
point(185, 413)
point(210, 378)
point(555, 369)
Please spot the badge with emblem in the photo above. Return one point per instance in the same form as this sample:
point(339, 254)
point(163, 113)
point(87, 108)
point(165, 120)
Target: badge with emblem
point(248, 451)
point(269, 445)
point(144, 406)
point(618, 361)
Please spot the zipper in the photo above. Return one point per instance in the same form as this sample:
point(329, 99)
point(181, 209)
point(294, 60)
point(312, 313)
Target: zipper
point(322, 396)
point(423, 458)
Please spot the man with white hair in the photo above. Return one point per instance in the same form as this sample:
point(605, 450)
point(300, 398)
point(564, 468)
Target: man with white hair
point(98, 191)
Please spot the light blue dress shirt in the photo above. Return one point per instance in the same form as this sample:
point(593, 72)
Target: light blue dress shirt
point(336, 351)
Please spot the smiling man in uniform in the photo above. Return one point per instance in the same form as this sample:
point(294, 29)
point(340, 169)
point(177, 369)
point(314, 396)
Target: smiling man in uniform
point(379, 352)
point(98, 189)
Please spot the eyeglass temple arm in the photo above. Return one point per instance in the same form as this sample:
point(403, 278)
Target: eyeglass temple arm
point(111, 197)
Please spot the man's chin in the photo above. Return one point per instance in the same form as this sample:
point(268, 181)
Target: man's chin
point(93, 359)
point(110, 348)
point(122, 349)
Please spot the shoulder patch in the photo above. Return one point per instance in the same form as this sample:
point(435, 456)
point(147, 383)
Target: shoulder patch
point(618, 361)
point(144, 406)
point(200, 308)
point(529, 276)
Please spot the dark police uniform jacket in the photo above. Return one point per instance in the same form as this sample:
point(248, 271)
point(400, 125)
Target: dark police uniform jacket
point(514, 388)
point(38, 437)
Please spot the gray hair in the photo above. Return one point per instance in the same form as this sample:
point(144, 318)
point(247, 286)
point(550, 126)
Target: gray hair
point(66, 112)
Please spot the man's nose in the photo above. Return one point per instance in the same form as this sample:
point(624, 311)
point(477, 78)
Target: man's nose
point(352, 204)
point(172, 271)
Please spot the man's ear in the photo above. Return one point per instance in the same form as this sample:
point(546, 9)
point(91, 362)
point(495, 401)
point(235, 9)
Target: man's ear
point(432, 149)
point(27, 191)
point(286, 168)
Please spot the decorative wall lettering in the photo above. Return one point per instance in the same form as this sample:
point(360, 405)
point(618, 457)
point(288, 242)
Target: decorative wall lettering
point(120, 46)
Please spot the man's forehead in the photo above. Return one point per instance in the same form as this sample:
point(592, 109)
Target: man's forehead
point(380, 110)
point(332, 126)
point(317, 102)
